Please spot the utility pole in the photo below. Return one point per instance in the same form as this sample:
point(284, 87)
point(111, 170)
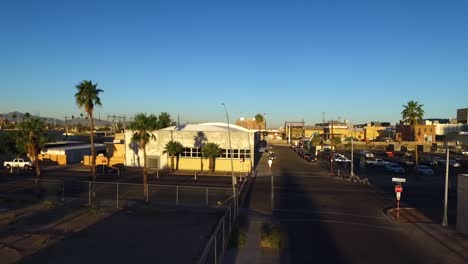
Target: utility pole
point(331, 150)
point(352, 153)
point(444, 219)
point(233, 178)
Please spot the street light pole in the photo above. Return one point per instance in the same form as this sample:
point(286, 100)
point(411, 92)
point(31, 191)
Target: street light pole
point(234, 180)
point(444, 219)
point(352, 155)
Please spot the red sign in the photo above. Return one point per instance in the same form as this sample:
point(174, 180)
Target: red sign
point(398, 189)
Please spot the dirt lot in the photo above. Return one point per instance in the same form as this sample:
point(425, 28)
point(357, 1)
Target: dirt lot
point(48, 232)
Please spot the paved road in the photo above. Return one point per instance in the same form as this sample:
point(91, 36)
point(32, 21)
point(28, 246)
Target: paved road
point(329, 220)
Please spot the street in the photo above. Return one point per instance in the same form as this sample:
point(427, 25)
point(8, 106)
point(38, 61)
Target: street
point(331, 220)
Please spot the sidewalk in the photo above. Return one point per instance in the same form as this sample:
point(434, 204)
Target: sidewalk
point(251, 252)
point(257, 213)
point(455, 243)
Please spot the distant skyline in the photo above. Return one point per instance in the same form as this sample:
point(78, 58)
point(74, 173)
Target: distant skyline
point(293, 60)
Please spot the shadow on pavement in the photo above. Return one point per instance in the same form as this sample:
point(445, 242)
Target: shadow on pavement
point(308, 241)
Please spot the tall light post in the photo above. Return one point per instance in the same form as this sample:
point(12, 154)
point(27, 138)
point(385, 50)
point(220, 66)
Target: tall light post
point(266, 130)
point(234, 180)
point(352, 154)
point(444, 219)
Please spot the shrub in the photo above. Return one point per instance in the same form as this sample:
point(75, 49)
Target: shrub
point(272, 236)
point(238, 238)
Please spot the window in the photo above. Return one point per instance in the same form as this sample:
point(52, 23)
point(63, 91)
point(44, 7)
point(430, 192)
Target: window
point(236, 153)
point(190, 153)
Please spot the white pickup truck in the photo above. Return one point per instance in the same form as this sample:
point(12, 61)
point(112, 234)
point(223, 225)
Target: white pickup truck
point(18, 163)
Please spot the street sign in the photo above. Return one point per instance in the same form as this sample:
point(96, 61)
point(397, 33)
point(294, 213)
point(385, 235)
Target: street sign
point(400, 180)
point(398, 189)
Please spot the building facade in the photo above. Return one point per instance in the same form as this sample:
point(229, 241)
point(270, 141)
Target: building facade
point(243, 142)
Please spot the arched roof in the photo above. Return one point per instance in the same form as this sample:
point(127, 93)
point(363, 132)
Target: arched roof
point(215, 127)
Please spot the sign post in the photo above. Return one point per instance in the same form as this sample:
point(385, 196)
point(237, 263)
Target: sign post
point(398, 191)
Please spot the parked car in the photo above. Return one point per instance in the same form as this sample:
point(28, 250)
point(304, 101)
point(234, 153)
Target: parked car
point(342, 159)
point(406, 162)
point(464, 152)
point(18, 163)
point(424, 170)
point(395, 168)
point(380, 162)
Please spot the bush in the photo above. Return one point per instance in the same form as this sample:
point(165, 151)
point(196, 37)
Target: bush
point(272, 236)
point(238, 238)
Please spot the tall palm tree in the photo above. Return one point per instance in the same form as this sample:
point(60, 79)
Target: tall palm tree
point(199, 141)
point(412, 114)
point(142, 127)
point(173, 148)
point(32, 132)
point(259, 119)
point(87, 97)
point(212, 150)
point(164, 120)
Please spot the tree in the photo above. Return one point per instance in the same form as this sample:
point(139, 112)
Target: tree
point(14, 118)
point(142, 126)
point(412, 114)
point(87, 97)
point(32, 133)
point(199, 141)
point(164, 120)
point(259, 119)
point(173, 148)
point(211, 151)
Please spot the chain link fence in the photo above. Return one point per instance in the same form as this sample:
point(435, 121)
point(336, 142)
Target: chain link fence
point(113, 194)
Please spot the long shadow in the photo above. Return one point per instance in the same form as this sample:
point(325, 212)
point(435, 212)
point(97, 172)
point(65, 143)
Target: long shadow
point(308, 239)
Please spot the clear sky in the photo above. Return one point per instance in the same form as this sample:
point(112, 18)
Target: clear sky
point(359, 60)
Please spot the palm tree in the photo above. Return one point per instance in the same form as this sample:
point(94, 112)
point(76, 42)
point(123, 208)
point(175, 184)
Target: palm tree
point(143, 125)
point(259, 119)
point(87, 97)
point(412, 114)
point(212, 150)
point(199, 142)
point(164, 120)
point(173, 148)
point(32, 132)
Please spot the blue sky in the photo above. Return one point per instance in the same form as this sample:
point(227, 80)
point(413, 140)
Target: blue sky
point(293, 60)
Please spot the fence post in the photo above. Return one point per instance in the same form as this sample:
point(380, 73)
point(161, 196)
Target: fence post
point(117, 201)
point(215, 249)
point(177, 195)
point(230, 223)
point(147, 192)
point(206, 196)
point(89, 193)
point(224, 230)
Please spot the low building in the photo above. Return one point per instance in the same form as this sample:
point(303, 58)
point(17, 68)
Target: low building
point(243, 142)
point(251, 124)
point(420, 133)
point(69, 154)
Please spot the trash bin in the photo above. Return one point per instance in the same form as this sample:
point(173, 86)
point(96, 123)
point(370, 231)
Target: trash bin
point(462, 206)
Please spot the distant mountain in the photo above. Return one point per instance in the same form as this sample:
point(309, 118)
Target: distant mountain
point(49, 120)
